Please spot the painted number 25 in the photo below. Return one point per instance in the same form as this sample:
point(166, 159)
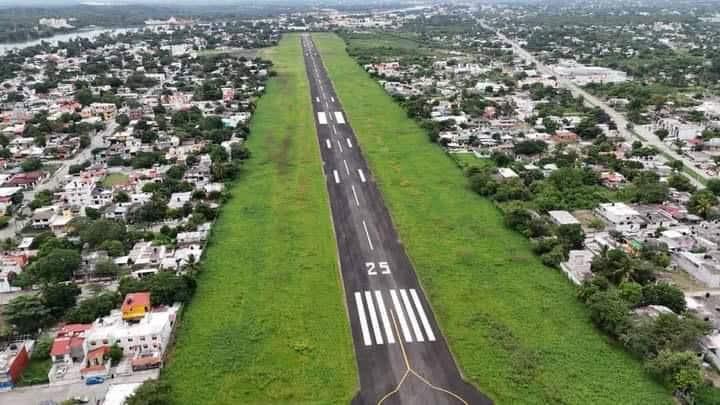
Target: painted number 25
point(372, 268)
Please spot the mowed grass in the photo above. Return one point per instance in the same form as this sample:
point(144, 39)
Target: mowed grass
point(267, 324)
point(514, 325)
point(114, 179)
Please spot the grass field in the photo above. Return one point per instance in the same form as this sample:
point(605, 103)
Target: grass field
point(514, 325)
point(114, 179)
point(267, 324)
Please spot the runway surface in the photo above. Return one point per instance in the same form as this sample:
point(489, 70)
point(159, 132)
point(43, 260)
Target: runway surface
point(402, 355)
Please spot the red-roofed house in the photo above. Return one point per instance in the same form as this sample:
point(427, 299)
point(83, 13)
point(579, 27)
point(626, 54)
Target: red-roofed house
point(562, 136)
point(96, 362)
point(25, 180)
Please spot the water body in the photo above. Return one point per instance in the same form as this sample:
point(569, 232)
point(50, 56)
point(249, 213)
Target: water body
point(92, 33)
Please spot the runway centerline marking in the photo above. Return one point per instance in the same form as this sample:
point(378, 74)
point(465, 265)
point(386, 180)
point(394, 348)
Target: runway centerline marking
point(328, 143)
point(367, 234)
point(362, 175)
point(357, 202)
point(347, 169)
point(337, 176)
point(339, 146)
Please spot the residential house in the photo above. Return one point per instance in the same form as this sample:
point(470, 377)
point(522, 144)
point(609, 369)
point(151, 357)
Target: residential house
point(135, 306)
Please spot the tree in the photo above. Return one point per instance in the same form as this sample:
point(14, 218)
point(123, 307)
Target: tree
point(96, 232)
point(664, 294)
point(677, 165)
point(60, 297)
point(662, 133)
point(123, 120)
point(92, 213)
point(31, 165)
point(571, 236)
point(680, 183)
point(84, 96)
point(56, 266)
point(609, 311)
point(92, 308)
point(27, 313)
point(648, 337)
point(113, 248)
point(681, 371)
point(649, 189)
point(115, 354)
point(106, 268)
point(530, 147)
point(42, 348)
point(151, 392)
point(613, 264)
point(702, 203)
point(714, 186)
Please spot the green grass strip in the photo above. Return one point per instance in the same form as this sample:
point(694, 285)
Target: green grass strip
point(267, 324)
point(514, 325)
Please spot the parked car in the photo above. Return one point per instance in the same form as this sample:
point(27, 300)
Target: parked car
point(94, 380)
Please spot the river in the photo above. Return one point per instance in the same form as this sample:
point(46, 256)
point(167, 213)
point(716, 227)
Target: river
point(63, 37)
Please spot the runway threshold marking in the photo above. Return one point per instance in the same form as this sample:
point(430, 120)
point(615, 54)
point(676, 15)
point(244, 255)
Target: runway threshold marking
point(373, 318)
point(423, 316)
point(322, 118)
point(411, 315)
point(328, 143)
point(337, 176)
point(339, 117)
point(367, 234)
point(357, 202)
point(362, 175)
point(384, 317)
point(363, 319)
point(401, 316)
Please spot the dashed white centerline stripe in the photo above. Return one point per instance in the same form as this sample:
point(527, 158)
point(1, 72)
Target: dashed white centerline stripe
point(347, 169)
point(337, 176)
point(339, 146)
point(401, 316)
point(384, 317)
point(367, 234)
point(332, 99)
point(362, 175)
point(423, 317)
point(373, 318)
point(357, 202)
point(317, 99)
point(349, 143)
point(411, 315)
point(328, 143)
point(363, 320)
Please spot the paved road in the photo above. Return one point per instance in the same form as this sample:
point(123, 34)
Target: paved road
point(619, 119)
point(402, 355)
point(35, 394)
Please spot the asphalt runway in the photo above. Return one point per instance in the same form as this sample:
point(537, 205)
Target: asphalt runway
point(402, 356)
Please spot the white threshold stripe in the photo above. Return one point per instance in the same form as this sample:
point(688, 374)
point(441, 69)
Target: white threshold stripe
point(317, 99)
point(357, 202)
point(423, 317)
point(368, 236)
point(401, 316)
point(339, 146)
point(322, 118)
point(332, 99)
point(328, 143)
point(362, 175)
point(339, 117)
point(348, 142)
point(373, 318)
point(363, 320)
point(347, 169)
point(337, 176)
point(384, 317)
point(411, 315)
